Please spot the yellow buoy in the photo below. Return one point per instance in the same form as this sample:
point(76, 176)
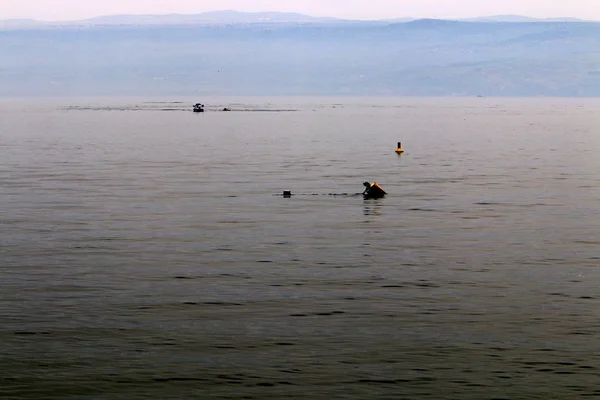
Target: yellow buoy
point(399, 150)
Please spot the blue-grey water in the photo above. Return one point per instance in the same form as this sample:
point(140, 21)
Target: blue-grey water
point(146, 251)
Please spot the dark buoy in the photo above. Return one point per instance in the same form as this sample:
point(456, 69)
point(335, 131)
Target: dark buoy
point(399, 149)
point(287, 193)
point(373, 191)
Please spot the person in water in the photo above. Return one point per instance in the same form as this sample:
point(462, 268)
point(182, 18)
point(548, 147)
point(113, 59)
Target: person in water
point(373, 190)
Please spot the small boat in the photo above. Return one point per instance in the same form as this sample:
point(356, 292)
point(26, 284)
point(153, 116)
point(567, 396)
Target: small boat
point(198, 107)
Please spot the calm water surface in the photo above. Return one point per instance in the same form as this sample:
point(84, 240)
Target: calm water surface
point(146, 251)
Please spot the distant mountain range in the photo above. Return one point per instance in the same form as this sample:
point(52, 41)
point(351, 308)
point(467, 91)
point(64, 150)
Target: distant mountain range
point(292, 54)
point(213, 17)
point(235, 17)
point(520, 18)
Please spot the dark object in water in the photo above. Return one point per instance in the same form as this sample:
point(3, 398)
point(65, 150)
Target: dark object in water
point(227, 109)
point(287, 193)
point(198, 107)
point(399, 149)
point(373, 191)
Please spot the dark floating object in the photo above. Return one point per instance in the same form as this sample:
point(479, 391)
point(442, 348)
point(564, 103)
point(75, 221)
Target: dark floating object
point(226, 109)
point(287, 193)
point(373, 191)
point(399, 149)
point(198, 107)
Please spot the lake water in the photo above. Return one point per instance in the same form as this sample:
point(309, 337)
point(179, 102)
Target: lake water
point(147, 251)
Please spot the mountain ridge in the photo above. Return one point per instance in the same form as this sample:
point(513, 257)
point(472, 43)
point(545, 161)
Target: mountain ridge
point(239, 17)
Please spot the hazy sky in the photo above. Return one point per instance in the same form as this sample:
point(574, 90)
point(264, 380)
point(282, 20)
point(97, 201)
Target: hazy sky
point(358, 9)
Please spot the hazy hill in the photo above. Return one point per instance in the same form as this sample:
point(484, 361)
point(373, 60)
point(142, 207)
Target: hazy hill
point(236, 17)
point(422, 57)
point(519, 18)
point(209, 18)
point(20, 23)
point(214, 17)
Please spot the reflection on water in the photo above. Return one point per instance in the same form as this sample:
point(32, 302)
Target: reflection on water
point(145, 254)
point(372, 206)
